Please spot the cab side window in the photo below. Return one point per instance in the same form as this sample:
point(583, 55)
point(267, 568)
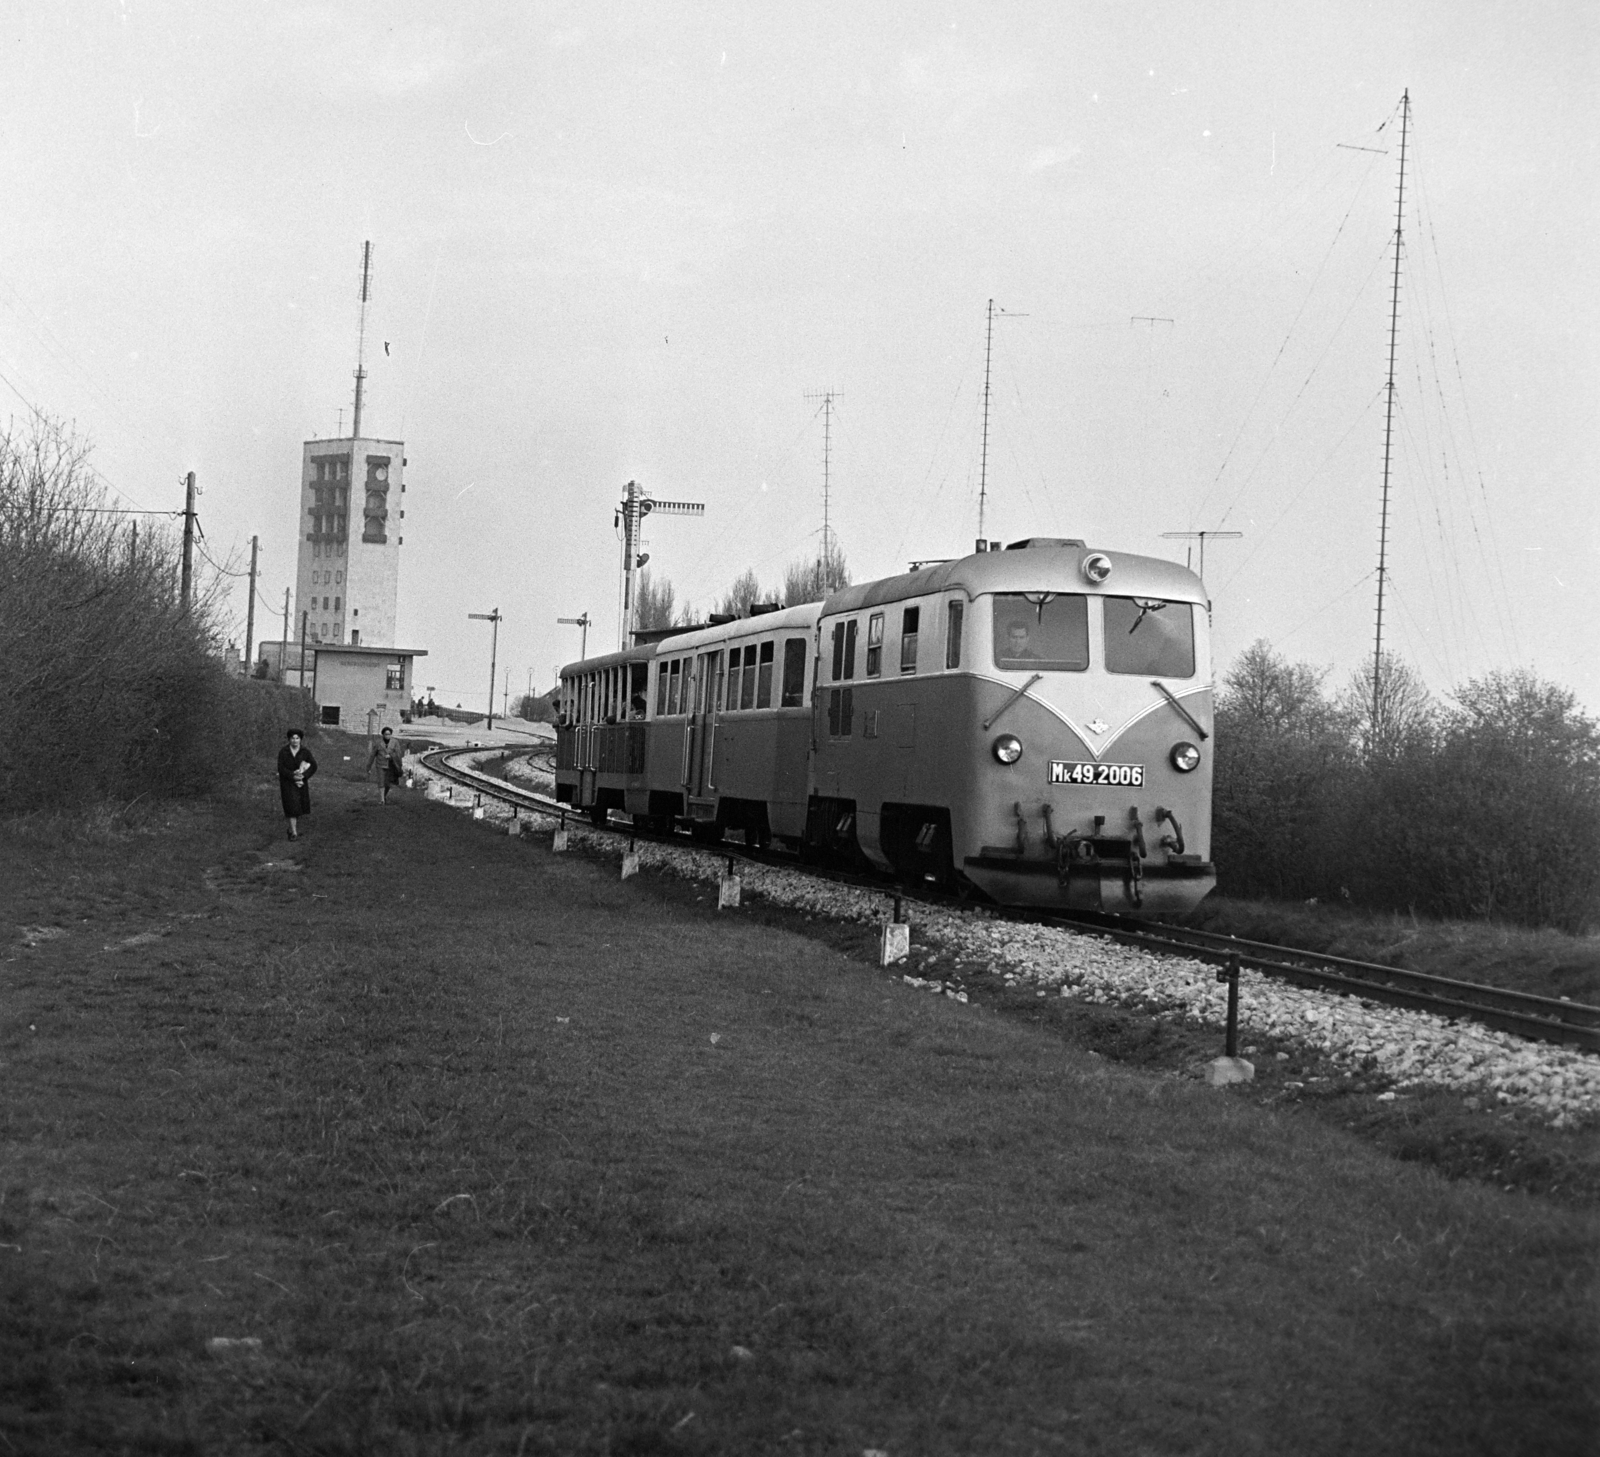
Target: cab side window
point(908, 639)
point(661, 689)
point(875, 645)
point(954, 611)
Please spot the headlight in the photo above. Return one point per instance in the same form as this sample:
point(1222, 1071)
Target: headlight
point(1185, 757)
point(1096, 567)
point(1008, 748)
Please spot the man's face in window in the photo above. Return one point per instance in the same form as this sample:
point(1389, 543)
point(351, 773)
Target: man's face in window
point(1017, 638)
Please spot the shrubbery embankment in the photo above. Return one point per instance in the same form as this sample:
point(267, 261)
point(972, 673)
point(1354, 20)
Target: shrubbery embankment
point(109, 689)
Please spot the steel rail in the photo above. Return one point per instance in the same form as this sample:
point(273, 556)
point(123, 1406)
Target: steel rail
point(1537, 1018)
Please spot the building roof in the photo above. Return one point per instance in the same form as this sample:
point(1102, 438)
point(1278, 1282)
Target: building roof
point(361, 651)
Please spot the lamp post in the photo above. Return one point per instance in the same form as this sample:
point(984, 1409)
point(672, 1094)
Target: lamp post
point(494, 648)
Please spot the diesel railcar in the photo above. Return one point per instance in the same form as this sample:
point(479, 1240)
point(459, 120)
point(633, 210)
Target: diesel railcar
point(1033, 724)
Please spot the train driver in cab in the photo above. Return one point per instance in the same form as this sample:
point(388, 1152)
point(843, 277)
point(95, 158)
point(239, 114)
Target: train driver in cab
point(1017, 649)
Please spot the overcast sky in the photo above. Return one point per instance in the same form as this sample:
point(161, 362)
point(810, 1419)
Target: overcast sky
point(634, 241)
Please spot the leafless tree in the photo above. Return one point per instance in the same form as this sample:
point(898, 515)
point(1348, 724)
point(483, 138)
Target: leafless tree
point(745, 590)
point(811, 581)
point(656, 601)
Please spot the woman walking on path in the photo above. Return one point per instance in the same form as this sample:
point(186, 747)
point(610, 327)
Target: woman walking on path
point(295, 767)
point(389, 756)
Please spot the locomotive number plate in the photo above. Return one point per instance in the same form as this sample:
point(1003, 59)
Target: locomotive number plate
point(1067, 771)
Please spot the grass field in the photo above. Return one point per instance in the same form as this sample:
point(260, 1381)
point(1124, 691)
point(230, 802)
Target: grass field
point(468, 1147)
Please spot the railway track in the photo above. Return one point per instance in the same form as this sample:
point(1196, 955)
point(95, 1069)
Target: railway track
point(1544, 1019)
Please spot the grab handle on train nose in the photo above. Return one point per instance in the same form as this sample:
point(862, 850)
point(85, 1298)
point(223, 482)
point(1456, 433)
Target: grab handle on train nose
point(1136, 832)
point(1172, 842)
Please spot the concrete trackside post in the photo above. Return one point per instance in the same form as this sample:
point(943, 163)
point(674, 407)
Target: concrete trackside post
point(728, 889)
point(558, 841)
point(630, 860)
point(894, 939)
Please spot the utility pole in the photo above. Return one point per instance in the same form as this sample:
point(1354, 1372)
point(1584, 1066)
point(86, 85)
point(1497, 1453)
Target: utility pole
point(133, 551)
point(1201, 536)
point(494, 648)
point(186, 584)
point(283, 653)
point(637, 503)
point(303, 617)
point(250, 613)
point(505, 693)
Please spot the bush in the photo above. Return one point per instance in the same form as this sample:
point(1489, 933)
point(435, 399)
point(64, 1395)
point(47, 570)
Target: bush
point(1488, 808)
point(108, 687)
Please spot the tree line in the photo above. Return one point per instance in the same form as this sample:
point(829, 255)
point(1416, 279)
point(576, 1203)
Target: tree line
point(109, 688)
point(804, 581)
point(1484, 805)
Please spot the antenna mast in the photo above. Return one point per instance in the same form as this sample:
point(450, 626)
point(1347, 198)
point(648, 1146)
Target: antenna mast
point(983, 458)
point(824, 554)
point(361, 350)
point(1388, 419)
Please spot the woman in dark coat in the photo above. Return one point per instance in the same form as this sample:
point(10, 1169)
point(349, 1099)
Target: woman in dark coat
point(295, 767)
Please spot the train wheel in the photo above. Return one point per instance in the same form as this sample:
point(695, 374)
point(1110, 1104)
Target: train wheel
point(706, 832)
point(599, 816)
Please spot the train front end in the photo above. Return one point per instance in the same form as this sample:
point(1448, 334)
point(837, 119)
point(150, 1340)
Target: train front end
point(1088, 732)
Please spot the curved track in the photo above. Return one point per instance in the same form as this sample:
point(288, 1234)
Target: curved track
point(1541, 1018)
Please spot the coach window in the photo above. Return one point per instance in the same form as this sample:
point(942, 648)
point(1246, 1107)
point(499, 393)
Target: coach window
point(1041, 630)
point(674, 680)
point(908, 639)
point(954, 611)
point(1144, 635)
point(661, 689)
point(764, 675)
point(874, 645)
point(794, 672)
point(747, 690)
point(639, 699)
point(850, 648)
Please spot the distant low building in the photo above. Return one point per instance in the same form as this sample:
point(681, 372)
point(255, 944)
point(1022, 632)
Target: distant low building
point(352, 686)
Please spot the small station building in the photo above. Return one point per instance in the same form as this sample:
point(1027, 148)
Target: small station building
point(347, 681)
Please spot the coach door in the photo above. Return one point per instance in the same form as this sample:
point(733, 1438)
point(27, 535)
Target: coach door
point(700, 735)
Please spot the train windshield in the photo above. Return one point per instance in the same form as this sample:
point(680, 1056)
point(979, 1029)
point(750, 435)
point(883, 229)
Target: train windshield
point(1146, 635)
point(1044, 631)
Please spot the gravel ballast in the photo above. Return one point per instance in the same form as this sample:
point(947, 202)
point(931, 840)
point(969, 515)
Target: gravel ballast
point(1406, 1050)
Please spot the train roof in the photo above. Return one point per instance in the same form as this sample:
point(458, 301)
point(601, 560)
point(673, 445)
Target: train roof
point(1036, 565)
point(642, 653)
point(1032, 566)
point(786, 619)
point(688, 640)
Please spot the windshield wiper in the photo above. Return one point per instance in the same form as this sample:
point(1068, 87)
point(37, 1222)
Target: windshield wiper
point(1144, 607)
point(995, 718)
point(1193, 722)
